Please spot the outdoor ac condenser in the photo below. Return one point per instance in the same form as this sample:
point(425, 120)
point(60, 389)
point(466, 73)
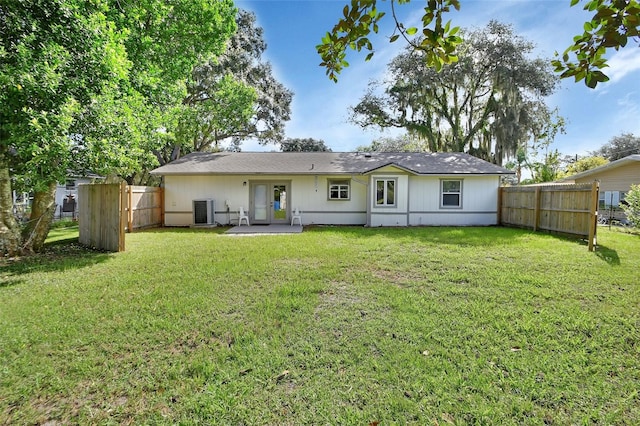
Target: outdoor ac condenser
point(203, 212)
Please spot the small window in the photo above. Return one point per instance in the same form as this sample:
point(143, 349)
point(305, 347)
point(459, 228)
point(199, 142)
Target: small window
point(70, 184)
point(385, 192)
point(451, 193)
point(339, 190)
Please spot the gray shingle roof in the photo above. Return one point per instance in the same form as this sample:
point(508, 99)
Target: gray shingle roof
point(303, 163)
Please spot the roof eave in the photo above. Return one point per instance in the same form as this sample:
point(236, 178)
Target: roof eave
point(612, 165)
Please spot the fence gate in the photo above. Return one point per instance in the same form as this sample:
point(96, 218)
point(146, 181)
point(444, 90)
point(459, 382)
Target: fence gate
point(101, 215)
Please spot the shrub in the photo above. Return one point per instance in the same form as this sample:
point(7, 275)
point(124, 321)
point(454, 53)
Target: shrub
point(631, 205)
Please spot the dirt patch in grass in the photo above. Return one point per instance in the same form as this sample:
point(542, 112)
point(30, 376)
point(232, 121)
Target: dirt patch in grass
point(337, 296)
point(195, 339)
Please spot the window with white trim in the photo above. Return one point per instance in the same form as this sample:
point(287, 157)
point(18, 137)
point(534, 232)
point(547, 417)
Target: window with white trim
point(450, 194)
point(385, 192)
point(339, 189)
point(611, 199)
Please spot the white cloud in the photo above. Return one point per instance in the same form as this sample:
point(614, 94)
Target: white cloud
point(628, 113)
point(622, 63)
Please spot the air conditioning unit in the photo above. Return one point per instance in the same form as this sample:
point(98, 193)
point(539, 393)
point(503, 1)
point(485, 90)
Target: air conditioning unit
point(203, 212)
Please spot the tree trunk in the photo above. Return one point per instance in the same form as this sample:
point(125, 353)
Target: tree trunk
point(10, 238)
point(42, 211)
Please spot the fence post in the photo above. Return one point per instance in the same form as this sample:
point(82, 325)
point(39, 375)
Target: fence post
point(499, 218)
point(130, 209)
point(123, 217)
point(536, 211)
point(162, 206)
point(593, 215)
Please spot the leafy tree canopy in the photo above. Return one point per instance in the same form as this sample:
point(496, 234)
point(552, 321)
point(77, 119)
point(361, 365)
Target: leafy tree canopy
point(613, 23)
point(304, 145)
point(403, 143)
point(584, 164)
point(53, 61)
point(619, 147)
point(488, 103)
point(547, 169)
point(231, 98)
point(68, 71)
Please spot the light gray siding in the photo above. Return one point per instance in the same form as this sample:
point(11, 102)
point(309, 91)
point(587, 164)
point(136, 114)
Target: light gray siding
point(479, 201)
point(417, 199)
point(308, 193)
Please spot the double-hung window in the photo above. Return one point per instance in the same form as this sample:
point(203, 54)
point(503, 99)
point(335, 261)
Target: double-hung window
point(450, 194)
point(611, 199)
point(385, 192)
point(339, 190)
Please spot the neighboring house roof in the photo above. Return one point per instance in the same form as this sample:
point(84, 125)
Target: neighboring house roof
point(608, 166)
point(71, 174)
point(304, 163)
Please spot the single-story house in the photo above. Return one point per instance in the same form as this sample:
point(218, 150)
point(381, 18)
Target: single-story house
point(349, 188)
point(615, 179)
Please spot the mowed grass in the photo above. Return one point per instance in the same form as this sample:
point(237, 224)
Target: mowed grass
point(331, 326)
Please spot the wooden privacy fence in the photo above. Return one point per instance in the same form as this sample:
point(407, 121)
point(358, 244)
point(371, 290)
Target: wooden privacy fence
point(567, 209)
point(105, 211)
point(144, 207)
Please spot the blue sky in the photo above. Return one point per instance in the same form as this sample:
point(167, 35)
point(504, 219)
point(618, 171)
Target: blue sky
point(320, 108)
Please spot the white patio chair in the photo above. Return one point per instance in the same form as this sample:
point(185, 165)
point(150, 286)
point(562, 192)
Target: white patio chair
point(242, 215)
point(296, 215)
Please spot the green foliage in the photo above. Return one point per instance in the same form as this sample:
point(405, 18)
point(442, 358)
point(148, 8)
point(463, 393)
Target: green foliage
point(304, 145)
point(584, 164)
point(631, 205)
point(165, 40)
point(337, 325)
point(82, 83)
point(359, 19)
point(402, 143)
point(619, 147)
point(53, 62)
point(546, 170)
point(614, 22)
point(110, 135)
point(488, 104)
point(219, 114)
point(612, 25)
point(226, 108)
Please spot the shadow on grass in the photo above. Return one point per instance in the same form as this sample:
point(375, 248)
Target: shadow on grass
point(59, 255)
point(608, 255)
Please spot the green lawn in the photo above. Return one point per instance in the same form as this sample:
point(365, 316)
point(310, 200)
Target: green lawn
point(331, 326)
